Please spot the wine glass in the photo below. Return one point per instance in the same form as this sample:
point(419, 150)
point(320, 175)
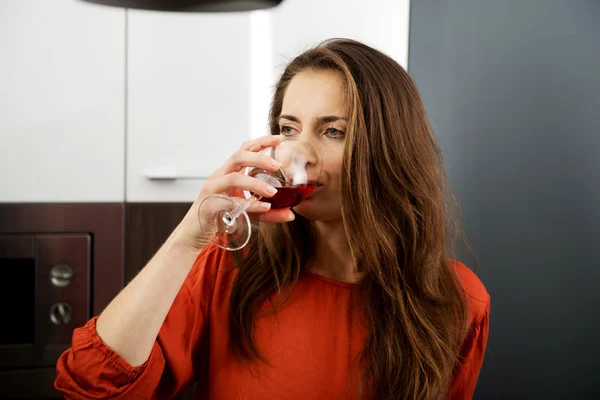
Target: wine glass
point(295, 180)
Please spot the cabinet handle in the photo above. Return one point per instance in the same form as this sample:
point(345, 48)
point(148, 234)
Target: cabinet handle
point(170, 174)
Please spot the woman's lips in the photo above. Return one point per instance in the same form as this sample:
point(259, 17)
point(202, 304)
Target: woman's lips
point(318, 187)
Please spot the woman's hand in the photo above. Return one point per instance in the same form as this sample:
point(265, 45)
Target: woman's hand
point(197, 230)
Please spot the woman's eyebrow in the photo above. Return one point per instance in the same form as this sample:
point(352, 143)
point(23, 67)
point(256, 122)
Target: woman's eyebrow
point(322, 120)
point(288, 117)
point(331, 118)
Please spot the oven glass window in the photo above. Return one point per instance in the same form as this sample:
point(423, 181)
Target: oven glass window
point(17, 297)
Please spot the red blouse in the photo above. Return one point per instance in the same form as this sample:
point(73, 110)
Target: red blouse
point(310, 343)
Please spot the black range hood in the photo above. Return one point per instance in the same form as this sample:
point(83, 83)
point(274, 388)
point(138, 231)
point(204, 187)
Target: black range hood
point(191, 5)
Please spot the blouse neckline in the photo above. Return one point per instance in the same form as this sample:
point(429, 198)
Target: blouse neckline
point(328, 280)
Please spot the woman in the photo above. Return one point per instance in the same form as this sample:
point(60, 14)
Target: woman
point(354, 294)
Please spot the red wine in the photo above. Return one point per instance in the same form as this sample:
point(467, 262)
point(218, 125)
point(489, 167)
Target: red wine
point(289, 196)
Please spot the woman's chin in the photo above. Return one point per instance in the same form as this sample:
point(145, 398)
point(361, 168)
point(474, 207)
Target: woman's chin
point(313, 211)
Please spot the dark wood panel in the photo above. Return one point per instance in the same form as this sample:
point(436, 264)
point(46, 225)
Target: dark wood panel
point(147, 226)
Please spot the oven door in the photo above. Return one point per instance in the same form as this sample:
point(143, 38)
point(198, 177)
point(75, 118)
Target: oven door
point(46, 295)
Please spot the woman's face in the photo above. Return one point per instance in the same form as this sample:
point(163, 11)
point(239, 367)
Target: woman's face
point(314, 108)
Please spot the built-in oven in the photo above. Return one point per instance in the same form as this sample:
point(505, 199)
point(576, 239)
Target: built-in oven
point(47, 293)
point(59, 265)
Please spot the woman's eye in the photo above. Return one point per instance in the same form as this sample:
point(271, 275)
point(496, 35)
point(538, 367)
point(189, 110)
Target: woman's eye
point(286, 130)
point(334, 133)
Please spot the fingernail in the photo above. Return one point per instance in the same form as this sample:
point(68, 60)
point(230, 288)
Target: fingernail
point(274, 164)
point(264, 206)
point(291, 216)
point(271, 189)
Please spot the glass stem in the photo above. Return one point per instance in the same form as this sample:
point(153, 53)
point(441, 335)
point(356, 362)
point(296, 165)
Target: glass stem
point(230, 217)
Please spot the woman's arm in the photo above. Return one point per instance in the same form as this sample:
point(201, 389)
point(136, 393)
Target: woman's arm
point(467, 372)
point(118, 354)
point(131, 322)
point(92, 370)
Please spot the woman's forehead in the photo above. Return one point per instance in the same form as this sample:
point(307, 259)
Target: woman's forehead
point(313, 93)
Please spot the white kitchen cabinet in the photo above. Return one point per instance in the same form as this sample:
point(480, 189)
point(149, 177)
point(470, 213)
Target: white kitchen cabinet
point(188, 99)
point(62, 96)
point(299, 24)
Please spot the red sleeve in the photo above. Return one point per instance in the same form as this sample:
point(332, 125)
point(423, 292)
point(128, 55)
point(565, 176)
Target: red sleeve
point(91, 370)
point(467, 372)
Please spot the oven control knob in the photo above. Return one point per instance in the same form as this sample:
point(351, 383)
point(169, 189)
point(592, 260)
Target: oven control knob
point(61, 275)
point(61, 313)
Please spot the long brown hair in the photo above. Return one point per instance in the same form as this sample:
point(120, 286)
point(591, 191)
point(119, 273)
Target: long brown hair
point(400, 224)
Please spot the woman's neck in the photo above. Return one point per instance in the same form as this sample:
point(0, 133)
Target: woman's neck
point(332, 257)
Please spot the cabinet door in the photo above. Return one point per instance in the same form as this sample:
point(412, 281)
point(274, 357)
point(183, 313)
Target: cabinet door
point(62, 92)
point(300, 24)
point(188, 99)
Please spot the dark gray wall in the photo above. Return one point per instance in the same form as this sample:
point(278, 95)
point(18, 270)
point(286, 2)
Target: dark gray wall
point(512, 88)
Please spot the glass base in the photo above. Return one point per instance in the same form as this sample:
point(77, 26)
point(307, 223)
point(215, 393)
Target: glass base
point(229, 234)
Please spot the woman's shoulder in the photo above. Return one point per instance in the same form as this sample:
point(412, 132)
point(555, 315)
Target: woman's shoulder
point(479, 298)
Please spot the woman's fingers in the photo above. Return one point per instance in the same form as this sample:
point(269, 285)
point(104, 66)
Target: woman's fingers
point(239, 181)
point(242, 158)
point(275, 216)
point(258, 207)
point(261, 211)
point(248, 156)
point(261, 142)
point(214, 197)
